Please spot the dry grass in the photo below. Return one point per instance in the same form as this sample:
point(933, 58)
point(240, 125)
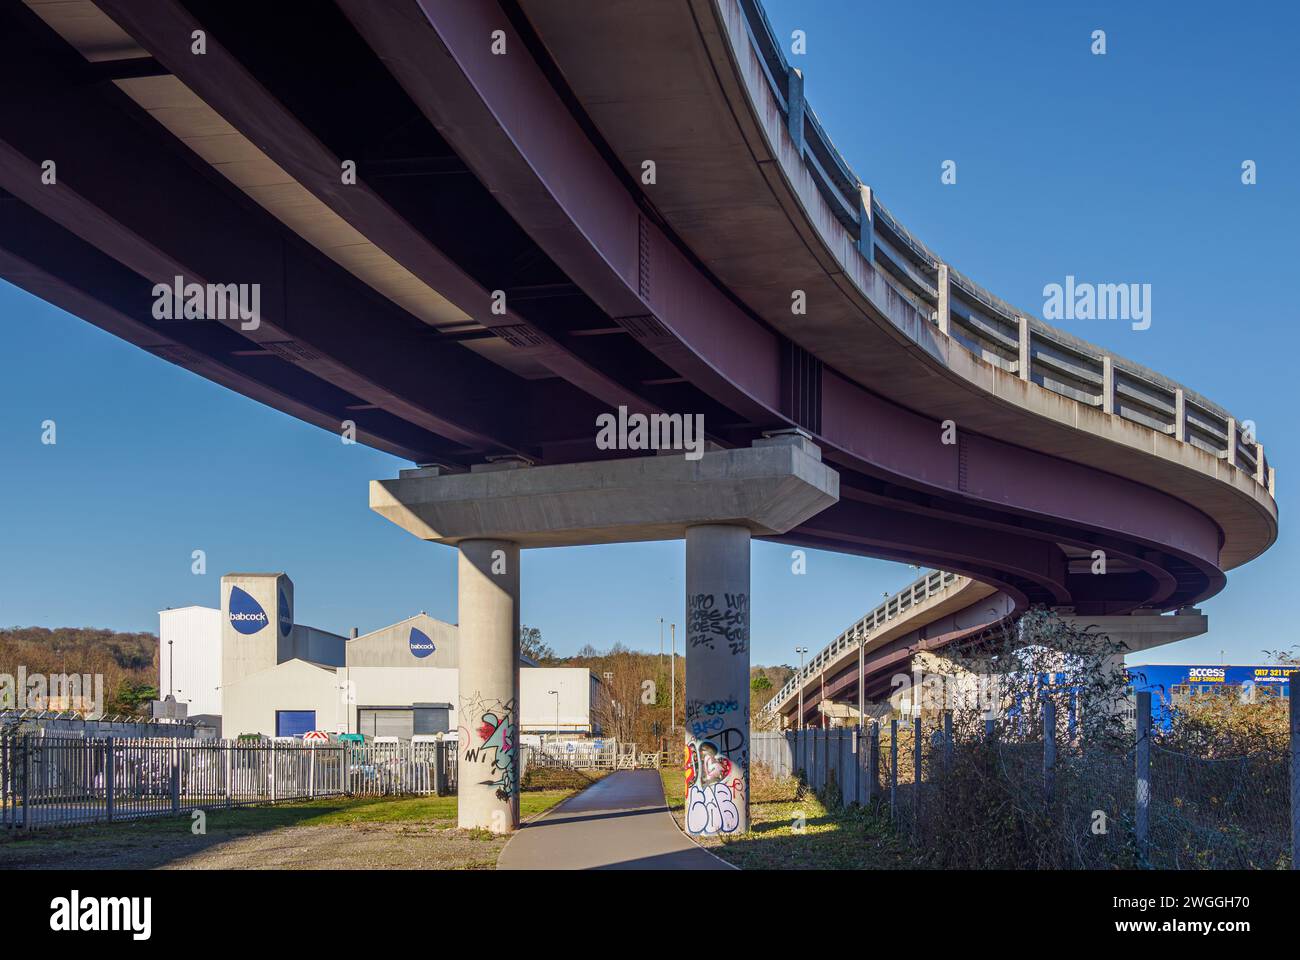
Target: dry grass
point(791, 829)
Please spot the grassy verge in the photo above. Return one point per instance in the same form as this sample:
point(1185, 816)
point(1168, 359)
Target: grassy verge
point(791, 829)
point(336, 831)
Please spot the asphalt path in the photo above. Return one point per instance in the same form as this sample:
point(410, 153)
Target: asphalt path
point(618, 823)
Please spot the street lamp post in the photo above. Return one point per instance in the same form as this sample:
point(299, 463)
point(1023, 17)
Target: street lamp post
point(557, 712)
point(801, 651)
point(861, 664)
point(672, 717)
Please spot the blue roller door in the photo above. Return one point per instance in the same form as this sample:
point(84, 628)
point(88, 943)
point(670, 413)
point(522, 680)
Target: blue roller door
point(294, 723)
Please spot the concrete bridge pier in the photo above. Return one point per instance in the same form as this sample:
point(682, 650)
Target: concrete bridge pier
point(717, 679)
point(717, 501)
point(1136, 632)
point(488, 705)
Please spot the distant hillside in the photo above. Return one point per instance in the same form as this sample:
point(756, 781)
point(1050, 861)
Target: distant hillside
point(128, 661)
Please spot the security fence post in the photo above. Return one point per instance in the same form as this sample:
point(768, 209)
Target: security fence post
point(873, 761)
point(1295, 783)
point(176, 776)
point(1049, 748)
point(1142, 819)
point(27, 781)
point(440, 769)
point(110, 775)
point(917, 760)
point(893, 769)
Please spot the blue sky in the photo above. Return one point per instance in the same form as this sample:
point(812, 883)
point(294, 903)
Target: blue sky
point(1116, 168)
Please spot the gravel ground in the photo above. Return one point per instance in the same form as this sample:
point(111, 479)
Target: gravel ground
point(408, 833)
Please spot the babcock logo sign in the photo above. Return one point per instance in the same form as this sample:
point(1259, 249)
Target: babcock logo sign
point(286, 615)
point(421, 645)
point(246, 614)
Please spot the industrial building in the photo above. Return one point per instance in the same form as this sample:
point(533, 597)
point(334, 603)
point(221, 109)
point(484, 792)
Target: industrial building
point(249, 668)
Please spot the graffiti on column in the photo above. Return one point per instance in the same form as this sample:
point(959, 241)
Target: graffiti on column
point(716, 765)
point(489, 733)
point(708, 621)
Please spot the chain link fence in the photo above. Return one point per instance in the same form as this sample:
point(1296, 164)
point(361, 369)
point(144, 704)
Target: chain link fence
point(1015, 797)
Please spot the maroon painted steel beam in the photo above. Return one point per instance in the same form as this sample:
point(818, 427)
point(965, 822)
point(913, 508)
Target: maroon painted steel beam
point(164, 28)
point(518, 136)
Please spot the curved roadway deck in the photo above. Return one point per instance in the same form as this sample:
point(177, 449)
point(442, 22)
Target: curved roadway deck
point(620, 823)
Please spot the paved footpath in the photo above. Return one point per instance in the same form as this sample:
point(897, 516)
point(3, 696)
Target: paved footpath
point(618, 823)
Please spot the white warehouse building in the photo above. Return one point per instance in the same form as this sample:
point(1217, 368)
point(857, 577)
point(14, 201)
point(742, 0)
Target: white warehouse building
point(248, 668)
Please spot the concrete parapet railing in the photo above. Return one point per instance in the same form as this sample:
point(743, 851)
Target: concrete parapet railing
point(981, 322)
point(929, 585)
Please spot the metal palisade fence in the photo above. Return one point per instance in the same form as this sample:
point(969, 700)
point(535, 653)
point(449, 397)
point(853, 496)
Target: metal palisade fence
point(1016, 798)
point(53, 781)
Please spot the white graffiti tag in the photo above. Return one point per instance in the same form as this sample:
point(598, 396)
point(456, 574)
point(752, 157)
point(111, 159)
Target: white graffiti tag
point(710, 809)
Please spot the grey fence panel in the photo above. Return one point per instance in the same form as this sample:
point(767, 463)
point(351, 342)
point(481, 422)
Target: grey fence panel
point(53, 781)
point(419, 768)
point(775, 751)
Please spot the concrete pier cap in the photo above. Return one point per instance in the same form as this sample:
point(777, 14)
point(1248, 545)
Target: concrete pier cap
point(1144, 629)
point(768, 488)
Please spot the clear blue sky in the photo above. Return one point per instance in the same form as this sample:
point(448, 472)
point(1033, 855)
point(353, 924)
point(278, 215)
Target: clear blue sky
point(1119, 168)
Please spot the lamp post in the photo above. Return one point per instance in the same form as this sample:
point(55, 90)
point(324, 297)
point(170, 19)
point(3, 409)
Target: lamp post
point(861, 657)
point(672, 721)
point(801, 651)
point(557, 712)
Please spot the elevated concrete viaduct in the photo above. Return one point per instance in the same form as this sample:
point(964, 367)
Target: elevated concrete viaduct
point(443, 208)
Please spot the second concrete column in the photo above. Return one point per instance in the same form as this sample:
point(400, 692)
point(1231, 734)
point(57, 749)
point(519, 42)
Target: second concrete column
point(717, 679)
point(488, 707)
